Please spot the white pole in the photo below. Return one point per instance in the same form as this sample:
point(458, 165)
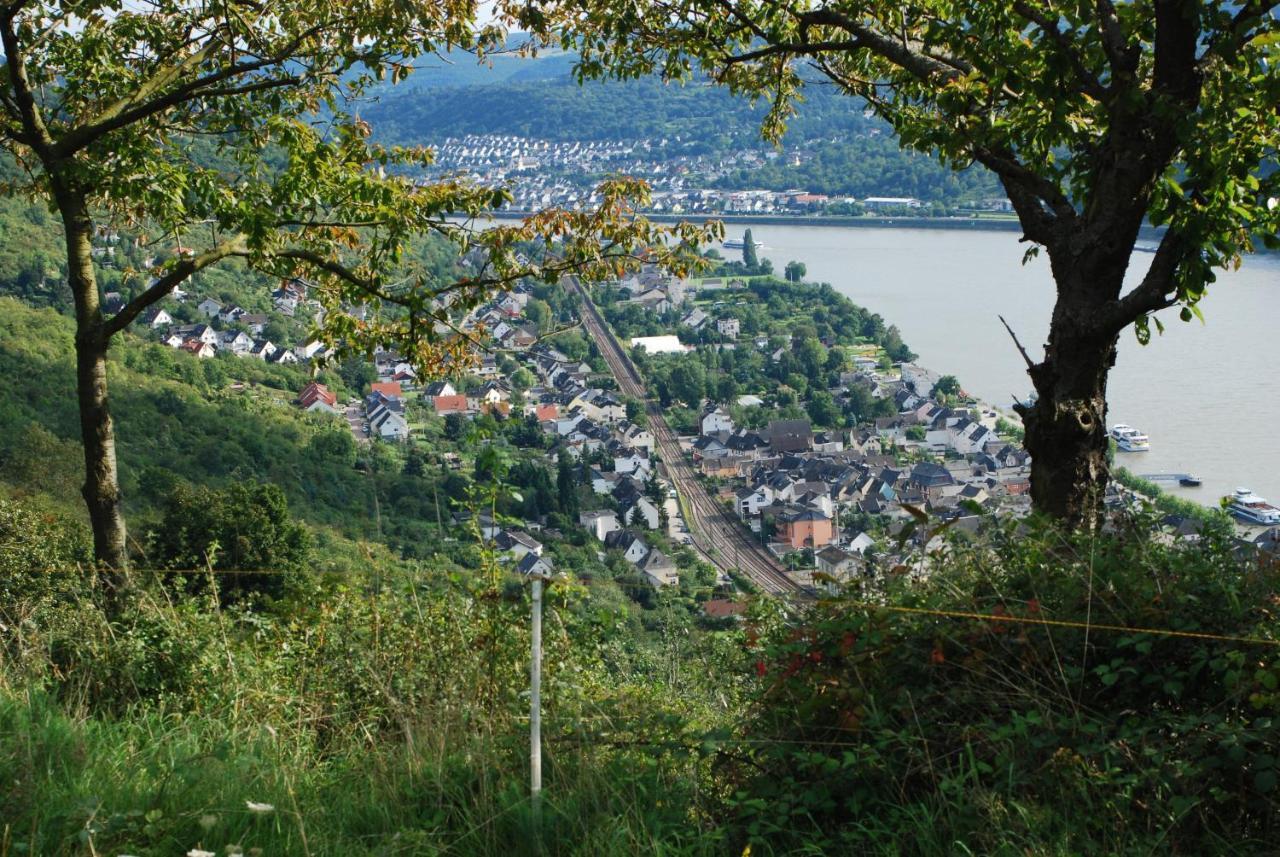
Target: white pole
point(535, 703)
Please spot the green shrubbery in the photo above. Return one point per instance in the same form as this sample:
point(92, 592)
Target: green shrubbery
point(383, 712)
point(1021, 738)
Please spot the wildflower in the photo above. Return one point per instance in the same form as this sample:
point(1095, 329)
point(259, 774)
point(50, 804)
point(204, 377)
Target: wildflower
point(761, 669)
point(196, 852)
point(262, 808)
point(936, 656)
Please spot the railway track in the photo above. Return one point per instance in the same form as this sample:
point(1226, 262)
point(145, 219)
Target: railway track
point(716, 534)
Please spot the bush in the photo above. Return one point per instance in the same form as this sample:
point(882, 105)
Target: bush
point(912, 732)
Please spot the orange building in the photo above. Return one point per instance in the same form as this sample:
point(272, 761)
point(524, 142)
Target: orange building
point(804, 528)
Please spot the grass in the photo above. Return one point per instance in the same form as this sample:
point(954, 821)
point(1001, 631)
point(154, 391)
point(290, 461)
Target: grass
point(160, 784)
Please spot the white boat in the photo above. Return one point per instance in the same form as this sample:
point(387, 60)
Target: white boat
point(1129, 439)
point(1252, 509)
point(740, 243)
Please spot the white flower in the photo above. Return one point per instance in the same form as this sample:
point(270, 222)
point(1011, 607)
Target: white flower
point(196, 852)
point(1272, 203)
point(259, 807)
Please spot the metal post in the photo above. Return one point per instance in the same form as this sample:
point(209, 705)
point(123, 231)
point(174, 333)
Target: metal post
point(535, 704)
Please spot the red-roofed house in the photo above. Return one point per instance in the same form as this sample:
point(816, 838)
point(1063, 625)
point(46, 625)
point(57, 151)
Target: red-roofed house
point(545, 413)
point(449, 404)
point(198, 348)
point(318, 397)
point(390, 389)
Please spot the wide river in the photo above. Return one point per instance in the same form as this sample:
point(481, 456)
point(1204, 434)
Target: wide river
point(1208, 394)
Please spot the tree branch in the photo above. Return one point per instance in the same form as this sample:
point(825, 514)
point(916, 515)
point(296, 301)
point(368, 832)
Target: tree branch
point(1088, 80)
point(1157, 291)
point(122, 114)
point(167, 283)
point(33, 126)
point(1239, 33)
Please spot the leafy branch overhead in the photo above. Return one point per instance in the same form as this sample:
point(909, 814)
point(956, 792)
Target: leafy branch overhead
point(1160, 110)
point(230, 130)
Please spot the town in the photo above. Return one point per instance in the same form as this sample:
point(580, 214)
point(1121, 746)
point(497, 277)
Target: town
point(876, 466)
point(546, 173)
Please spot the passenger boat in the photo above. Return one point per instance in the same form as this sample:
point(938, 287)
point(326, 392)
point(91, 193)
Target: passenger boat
point(740, 243)
point(1252, 509)
point(1129, 439)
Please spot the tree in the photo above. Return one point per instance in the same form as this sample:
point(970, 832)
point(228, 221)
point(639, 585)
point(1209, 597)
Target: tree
point(194, 122)
point(1095, 118)
point(794, 272)
point(948, 385)
point(244, 527)
point(749, 252)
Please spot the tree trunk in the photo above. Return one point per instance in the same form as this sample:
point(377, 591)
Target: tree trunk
point(97, 433)
point(1066, 428)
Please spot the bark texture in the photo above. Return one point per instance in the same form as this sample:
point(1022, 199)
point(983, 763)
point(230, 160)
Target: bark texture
point(97, 432)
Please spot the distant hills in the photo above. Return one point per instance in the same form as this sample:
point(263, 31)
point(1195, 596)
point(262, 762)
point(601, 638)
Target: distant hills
point(833, 146)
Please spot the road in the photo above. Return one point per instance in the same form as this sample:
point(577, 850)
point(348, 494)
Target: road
point(719, 536)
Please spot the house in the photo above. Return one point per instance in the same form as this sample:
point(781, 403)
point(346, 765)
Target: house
point(750, 501)
point(599, 405)
point(310, 350)
point(209, 308)
point(236, 341)
point(635, 461)
point(232, 314)
point(202, 332)
point(729, 327)
point(389, 389)
point(546, 413)
point(790, 435)
point(517, 544)
point(804, 528)
point(862, 543)
point(636, 437)
point(439, 388)
point(283, 357)
point(695, 319)
point(445, 405)
point(262, 349)
point(156, 318)
point(255, 323)
point(532, 565)
point(660, 569)
point(633, 547)
point(640, 510)
point(716, 420)
point(723, 608)
point(387, 424)
point(838, 563)
point(203, 350)
point(318, 397)
point(919, 380)
point(600, 524)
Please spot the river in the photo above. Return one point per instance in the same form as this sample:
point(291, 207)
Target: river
point(1207, 394)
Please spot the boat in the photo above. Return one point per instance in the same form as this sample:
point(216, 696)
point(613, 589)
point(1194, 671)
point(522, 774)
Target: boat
point(1186, 480)
point(1129, 439)
point(1252, 509)
point(740, 243)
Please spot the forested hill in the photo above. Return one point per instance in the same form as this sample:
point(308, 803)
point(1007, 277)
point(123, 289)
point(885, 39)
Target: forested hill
point(844, 150)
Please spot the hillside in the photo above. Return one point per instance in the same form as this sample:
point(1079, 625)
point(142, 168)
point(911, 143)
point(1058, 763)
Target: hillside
point(845, 151)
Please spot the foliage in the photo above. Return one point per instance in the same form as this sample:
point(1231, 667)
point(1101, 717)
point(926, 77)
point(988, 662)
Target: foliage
point(1013, 737)
point(244, 527)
